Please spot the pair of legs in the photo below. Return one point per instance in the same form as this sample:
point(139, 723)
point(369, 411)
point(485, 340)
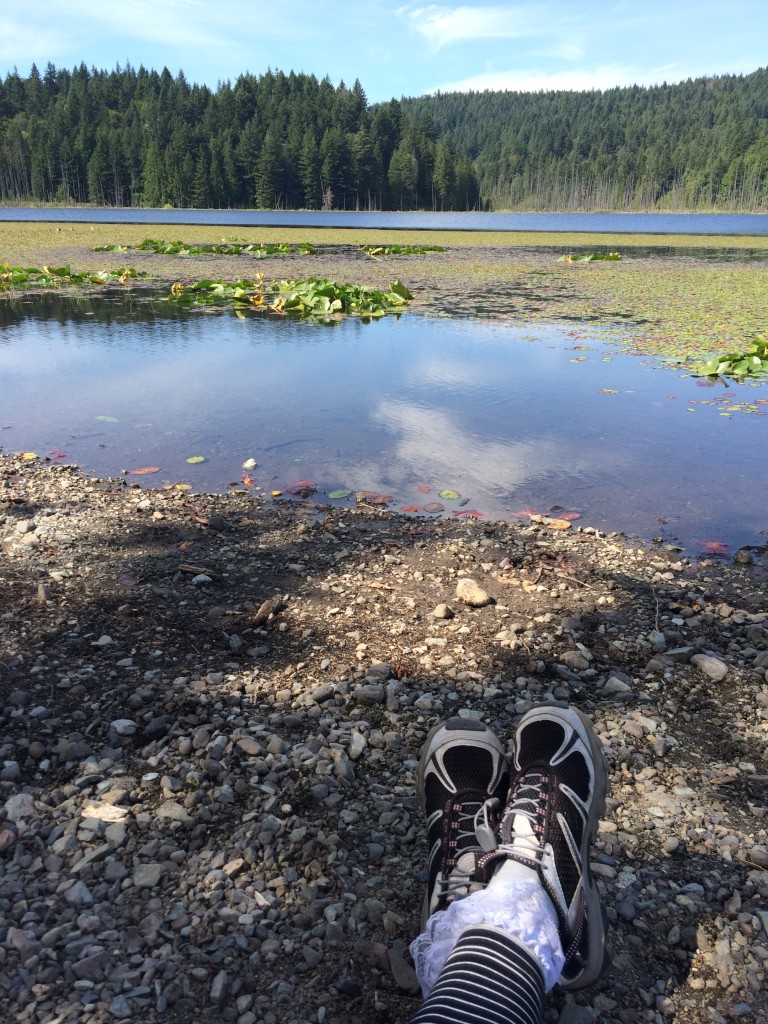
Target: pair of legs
point(511, 908)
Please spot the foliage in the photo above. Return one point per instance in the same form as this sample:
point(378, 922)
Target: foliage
point(314, 298)
point(400, 250)
point(51, 277)
point(255, 249)
point(752, 363)
point(139, 138)
point(588, 257)
point(698, 144)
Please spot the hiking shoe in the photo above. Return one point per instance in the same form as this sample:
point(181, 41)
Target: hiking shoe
point(463, 781)
point(557, 796)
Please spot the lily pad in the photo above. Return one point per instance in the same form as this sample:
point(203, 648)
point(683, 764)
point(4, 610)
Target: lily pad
point(434, 506)
point(145, 470)
point(341, 492)
point(192, 460)
point(449, 494)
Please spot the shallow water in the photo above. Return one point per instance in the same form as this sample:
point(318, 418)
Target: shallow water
point(510, 417)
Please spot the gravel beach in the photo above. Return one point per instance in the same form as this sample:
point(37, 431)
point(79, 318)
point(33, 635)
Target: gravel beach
point(211, 712)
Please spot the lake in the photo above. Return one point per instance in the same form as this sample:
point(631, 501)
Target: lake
point(509, 417)
point(613, 223)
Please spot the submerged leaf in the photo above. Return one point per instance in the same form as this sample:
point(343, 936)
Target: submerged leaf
point(434, 506)
point(144, 470)
point(341, 492)
point(195, 459)
point(449, 494)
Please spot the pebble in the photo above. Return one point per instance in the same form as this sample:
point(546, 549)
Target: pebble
point(714, 668)
point(192, 828)
point(469, 592)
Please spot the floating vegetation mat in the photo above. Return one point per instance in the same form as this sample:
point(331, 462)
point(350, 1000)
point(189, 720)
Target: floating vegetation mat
point(377, 251)
point(316, 297)
point(225, 248)
point(52, 277)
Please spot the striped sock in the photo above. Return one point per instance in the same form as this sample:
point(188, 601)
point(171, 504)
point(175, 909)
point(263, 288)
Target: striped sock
point(488, 979)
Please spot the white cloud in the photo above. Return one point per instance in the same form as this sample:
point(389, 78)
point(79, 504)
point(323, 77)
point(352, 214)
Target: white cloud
point(442, 26)
point(19, 43)
point(607, 76)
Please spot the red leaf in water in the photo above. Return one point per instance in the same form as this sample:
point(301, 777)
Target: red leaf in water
point(472, 513)
point(323, 506)
point(569, 517)
point(145, 470)
point(302, 488)
point(705, 383)
point(714, 547)
point(424, 488)
point(412, 508)
point(381, 499)
point(758, 401)
point(248, 480)
point(524, 513)
point(434, 506)
point(57, 453)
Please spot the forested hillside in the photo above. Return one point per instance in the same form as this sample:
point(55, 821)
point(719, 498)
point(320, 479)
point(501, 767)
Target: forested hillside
point(139, 138)
point(699, 144)
point(142, 138)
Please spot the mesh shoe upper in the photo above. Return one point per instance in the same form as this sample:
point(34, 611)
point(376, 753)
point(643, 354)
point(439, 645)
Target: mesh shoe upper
point(556, 798)
point(463, 776)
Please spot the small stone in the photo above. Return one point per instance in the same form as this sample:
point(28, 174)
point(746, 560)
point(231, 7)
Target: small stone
point(19, 806)
point(123, 726)
point(357, 744)
point(175, 812)
point(712, 667)
point(443, 611)
point(79, 895)
point(402, 972)
point(469, 592)
point(104, 640)
point(147, 876)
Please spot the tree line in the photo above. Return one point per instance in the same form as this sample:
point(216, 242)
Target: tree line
point(131, 137)
point(141, 138)
point(699, 144)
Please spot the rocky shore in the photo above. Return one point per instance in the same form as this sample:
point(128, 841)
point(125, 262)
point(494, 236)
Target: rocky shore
point(211, 711)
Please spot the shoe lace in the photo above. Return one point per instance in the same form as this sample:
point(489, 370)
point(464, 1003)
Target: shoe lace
point(472, 827)
point(529, 800)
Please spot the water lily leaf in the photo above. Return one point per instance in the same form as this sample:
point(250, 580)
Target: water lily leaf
point(145, 470)
point(195, 458)
point(424, 488)
point(449, 494)
point(381, 499)
point(412, 508)
point(57, 454)
point(569, 517)
point(434, 506)
point(29, 456)
point(183, 487)
point(107, 419)
point(340, 492)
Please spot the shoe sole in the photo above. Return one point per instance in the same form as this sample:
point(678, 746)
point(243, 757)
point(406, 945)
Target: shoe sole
point(597, 958)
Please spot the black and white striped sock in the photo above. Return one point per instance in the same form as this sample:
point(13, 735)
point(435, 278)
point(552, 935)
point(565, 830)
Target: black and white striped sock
point(488, 979)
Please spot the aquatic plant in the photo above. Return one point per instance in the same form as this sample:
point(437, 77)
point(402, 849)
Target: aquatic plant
point(400, 250)
point(256, 249)
point(51, 277)
point(314, 297)
point(752, 363)
point(588, 257)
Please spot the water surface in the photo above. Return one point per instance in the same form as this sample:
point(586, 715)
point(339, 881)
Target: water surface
point(511, 417)
point(611, 223)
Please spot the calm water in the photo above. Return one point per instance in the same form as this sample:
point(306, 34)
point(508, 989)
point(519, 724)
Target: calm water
point(615, 223)
point(509, 417)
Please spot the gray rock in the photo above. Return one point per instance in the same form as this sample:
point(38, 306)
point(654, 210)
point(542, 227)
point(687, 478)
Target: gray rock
point(19, 806)
point(147, 876)
point(402, 972)
point(174, 812)
point(443, 611)
point(79, 895)
point(469, 592)
point(712, 667)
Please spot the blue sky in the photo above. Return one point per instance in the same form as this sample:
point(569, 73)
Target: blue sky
point(397, 48)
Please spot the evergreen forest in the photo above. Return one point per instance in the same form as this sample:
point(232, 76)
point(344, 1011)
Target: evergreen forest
point(131, 137)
